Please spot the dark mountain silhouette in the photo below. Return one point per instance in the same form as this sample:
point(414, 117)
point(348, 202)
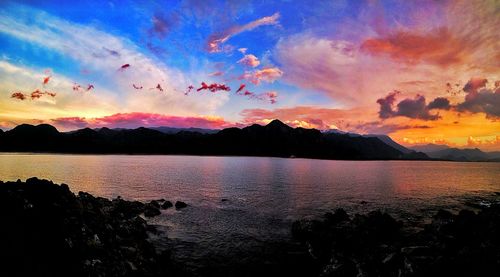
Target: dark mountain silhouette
point(444, 152)
point(465, 155)
point(384, 138)
point(173, 130)
point(389, 141)
point(275, 139)
point(430, 147)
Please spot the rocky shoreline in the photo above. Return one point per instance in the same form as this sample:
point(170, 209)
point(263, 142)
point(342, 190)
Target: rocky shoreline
point(375, 244)
point(49, 231)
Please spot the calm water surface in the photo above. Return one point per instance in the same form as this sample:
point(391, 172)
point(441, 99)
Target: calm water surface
point(264, 195)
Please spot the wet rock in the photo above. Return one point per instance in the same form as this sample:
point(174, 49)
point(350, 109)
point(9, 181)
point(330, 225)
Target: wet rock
point(180, 205)
point(166, 205)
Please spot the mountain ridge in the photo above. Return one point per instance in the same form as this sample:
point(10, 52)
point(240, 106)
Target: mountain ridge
point(275, 139)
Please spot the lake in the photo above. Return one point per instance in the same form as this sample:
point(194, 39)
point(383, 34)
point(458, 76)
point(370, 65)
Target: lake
point(238, 204)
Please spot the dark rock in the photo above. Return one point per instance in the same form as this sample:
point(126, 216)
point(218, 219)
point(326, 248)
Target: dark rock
point(180, 205)
point(155, 204)
point(375, 244)
point(49, 231)
point(224, 200)
point(166, 205)
point(340, 215)
point(151, 210)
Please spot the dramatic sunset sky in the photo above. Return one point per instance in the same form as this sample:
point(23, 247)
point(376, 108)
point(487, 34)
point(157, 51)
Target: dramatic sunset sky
point(419, 71)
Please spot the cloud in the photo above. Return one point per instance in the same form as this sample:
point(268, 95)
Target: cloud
point(335, 68)
point(480, 99)
point(18, 95)
point(440, 103)
point(438, 47)
point(269, 75)
point(474, 84)
point(412, 108)
point(216, 40)
point(213, 87)
point(271, 96)
point(485, 101)
point(78, 42)
point(486, 144)
point(361, 60)
point(162, 24)
point(386, 103)
point(311, 116)
point(216, 74)
point(377, 127)
point(249, 60)
point(137, 119)
point(70, 122)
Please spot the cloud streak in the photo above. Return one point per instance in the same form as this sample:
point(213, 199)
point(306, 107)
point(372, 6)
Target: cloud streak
point(216, 40)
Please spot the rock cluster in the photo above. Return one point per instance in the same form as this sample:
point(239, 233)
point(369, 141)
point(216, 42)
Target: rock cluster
point(47, 230)
point(466, 244)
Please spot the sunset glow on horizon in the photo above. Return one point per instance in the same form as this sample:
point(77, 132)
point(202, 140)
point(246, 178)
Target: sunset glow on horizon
point(419, 71)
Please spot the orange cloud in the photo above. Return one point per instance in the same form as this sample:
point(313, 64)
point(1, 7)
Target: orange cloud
point(438, 46)
point(269, 75)
point(493, 143)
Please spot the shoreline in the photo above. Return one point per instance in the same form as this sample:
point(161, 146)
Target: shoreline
point(223, 156)
point(337, 244)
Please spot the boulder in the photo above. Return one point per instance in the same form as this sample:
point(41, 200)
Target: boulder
point(180, 205)
point(166, 205)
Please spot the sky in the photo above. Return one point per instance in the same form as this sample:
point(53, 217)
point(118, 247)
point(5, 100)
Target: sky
point(421, 72)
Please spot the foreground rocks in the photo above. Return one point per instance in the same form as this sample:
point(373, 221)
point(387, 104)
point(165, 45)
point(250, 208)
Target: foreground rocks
point(466, 244)
point(46, 230)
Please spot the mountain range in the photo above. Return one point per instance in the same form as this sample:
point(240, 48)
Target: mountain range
point(444, 152)
point(275, 139)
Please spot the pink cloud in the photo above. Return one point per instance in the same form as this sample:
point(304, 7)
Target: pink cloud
point(137, 119)
point(249, 60)
point(269, 75)
point(216, 40)
point(271, 96)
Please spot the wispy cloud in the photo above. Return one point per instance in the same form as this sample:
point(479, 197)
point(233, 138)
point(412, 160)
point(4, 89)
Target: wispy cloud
point(216, 40)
